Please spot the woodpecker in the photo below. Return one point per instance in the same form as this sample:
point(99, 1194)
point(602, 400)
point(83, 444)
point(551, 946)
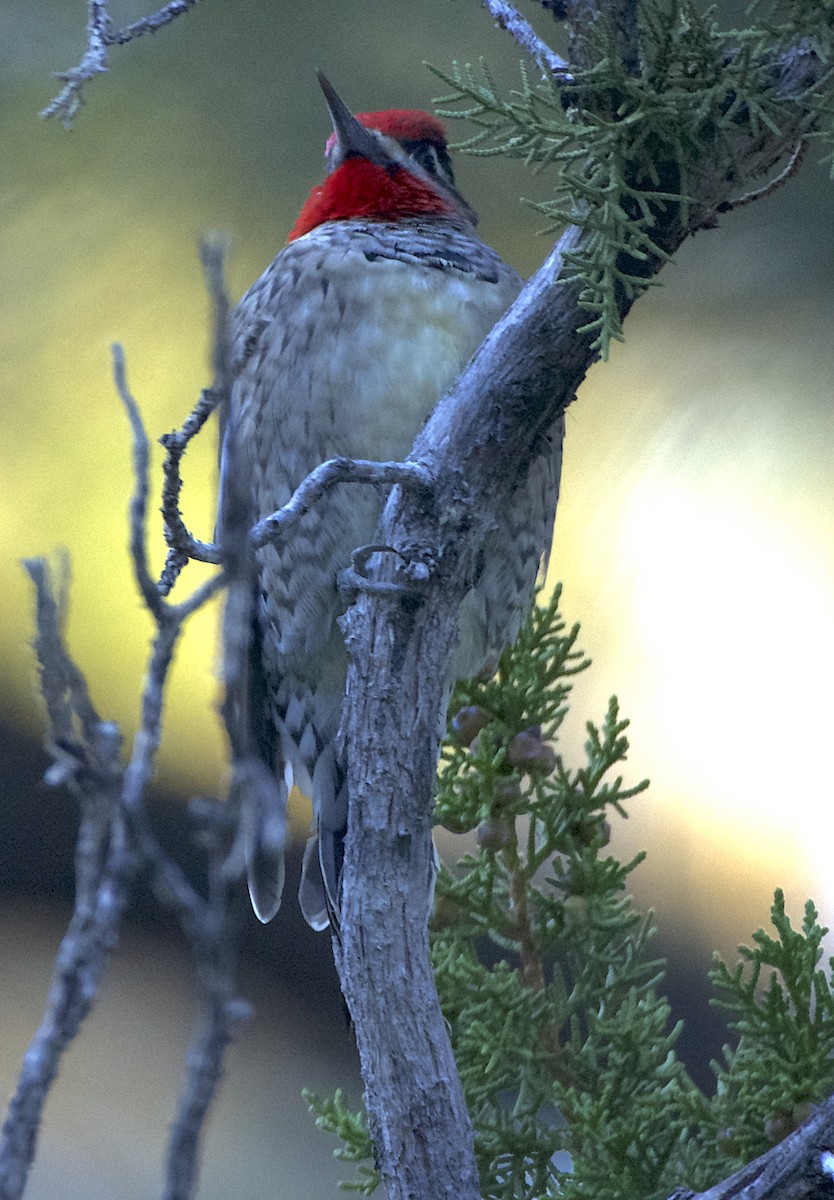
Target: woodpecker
point(342, 347)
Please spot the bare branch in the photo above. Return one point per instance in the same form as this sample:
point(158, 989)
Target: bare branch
point(199, 596)
point(213, 250)
point(152, 592)
point(139, 501)
point(151, 24)
point(507, 17)
point(66, 104)
point(326, 476)
point(182, 546)
point(222, 1013)
point(115, 841)
point(207, 924)
point(101, 35)
point(773, 185)
point(63, 687)
point(105, 865)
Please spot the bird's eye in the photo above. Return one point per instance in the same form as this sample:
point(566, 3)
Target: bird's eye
point(430, 160)
point(433, 158)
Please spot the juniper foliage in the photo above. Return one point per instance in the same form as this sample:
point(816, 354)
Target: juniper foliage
point(783, 1059)
point(627, 139)
point(562, 1037)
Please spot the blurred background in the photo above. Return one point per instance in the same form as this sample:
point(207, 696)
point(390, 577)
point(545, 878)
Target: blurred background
point(694, 539)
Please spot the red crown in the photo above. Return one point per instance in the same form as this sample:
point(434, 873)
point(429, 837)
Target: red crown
point(404, 124)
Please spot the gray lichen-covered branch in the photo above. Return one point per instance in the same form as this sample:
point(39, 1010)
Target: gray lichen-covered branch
point(477, 445)
point(115, 843)
point(101, 35)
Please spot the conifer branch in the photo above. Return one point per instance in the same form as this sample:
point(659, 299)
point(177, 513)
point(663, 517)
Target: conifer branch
point(507, 17)
point(506, 409)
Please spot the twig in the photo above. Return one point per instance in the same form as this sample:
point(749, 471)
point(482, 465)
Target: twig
point(548, 61)
point(152, 593)
point(326, 476)
point(182, 545)
point(88, 757)
point(772, 185)
point(94, 62)
point(64, 688)
point(115, 842)
point(139, 501)
point(213, 250)
point(101, 35)
point(208, 927)
point(152, 24)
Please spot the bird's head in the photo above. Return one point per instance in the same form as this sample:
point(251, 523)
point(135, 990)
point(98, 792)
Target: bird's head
point(383, 166)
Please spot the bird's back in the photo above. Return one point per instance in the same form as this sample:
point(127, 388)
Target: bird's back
point(342, 348)
point(344, 345)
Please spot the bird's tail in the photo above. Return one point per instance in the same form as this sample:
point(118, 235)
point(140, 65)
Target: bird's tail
point(263, 810)
point(321, 871)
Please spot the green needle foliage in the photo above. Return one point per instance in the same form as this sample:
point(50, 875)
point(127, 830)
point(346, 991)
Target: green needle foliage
point(334, 1115)
point(627, 140)
point(784, 1058)
point(563, 1044)
point(561, 1034)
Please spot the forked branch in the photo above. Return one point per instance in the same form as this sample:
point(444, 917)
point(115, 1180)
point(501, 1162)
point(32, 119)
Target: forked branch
point(100, 37)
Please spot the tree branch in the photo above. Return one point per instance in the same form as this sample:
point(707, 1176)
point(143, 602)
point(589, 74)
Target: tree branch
point(477, 445)
point(326, 476)
point(153, 23)
point(115, 841)
point(86, 756)
point(800, 1168)
point(101, 35)
point(182, 545)
point(507, 17)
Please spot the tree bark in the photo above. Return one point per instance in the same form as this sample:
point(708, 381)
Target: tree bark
point(800, 1168)
point(476, 446)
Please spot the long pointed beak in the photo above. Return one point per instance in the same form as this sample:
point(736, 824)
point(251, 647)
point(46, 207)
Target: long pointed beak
point(353, 138)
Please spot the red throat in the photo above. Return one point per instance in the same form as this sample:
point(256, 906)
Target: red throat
point(359, 188)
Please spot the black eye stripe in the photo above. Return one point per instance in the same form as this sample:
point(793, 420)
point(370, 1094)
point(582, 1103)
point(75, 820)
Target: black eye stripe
point(432, 156)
